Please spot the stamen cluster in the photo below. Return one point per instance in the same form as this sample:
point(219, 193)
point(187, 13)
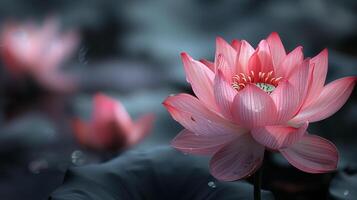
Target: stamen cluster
point(265, 81)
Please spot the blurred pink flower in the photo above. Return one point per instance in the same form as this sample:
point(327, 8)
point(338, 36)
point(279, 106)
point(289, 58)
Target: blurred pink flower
point(39, 51)
point(250, 100)
point(111, 127)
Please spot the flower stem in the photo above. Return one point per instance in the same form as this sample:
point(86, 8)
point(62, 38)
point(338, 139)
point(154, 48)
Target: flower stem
point(258, 183)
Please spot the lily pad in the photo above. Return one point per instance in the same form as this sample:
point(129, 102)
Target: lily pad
point(158, 173)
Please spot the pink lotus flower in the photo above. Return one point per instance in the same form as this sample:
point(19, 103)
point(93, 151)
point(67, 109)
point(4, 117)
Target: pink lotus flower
point(111, 127)
point(38, 51)
point(250, 100)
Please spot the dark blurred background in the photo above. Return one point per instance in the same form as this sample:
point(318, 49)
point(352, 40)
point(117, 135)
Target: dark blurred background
point(130, 50)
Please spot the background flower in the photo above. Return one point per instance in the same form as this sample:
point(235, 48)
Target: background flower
point(111, 128)
point(39, 52)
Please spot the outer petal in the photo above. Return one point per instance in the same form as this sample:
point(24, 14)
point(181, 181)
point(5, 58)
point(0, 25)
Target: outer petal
point(277, 137)
point(201, 79)
point(59, 49)
point(246, 51)
point(312, 154)
point(331, 99)
point(225, 49)
point(253, 107)
point(123, 118)
point(276, 48)
point(140, 129)
point(238, 159)
point(284, 97)
point(191, 114)
point(318, 65)
point(290, 62)
point(224, 94)
point(189, 142)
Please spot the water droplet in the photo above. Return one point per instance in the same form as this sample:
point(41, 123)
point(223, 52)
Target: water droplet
point(82, 55)
point(37, 165)
point(346, 192)
point(78, 158)
point(211, 184)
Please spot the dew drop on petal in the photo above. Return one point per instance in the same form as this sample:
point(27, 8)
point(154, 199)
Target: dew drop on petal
point(37, 165)
point(211, 184)
point(78, 158)
point(346, 192)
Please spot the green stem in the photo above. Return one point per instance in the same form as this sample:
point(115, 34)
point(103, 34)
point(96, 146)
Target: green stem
point(258, 183)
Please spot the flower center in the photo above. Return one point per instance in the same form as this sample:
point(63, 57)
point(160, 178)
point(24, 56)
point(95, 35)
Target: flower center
point(265, 81)
point(266, 87)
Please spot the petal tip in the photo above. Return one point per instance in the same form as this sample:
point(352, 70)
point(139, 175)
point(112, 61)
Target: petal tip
point(185, 55)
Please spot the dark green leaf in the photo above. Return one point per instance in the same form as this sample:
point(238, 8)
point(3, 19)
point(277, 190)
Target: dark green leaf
point(159, 173)
point(343, 186)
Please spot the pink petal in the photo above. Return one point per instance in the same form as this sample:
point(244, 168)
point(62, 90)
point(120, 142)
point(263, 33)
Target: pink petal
point(277, 137)
point(58, 50)
point(189, 142)
point(331, 99)
point(254, 63)
point(290, 62)
point(224, 94)
point(238, 159)
point(253, 107)
point(201, 79)
point(312, 154)
point(209, 64)
point(319, 66)
point(299, 79)
point(141, 128)
point(226, 70)
point(111, 122)
point(246, 51)
point(284, 97)
point(236, 45)
point(225, 49)
point(104, 110)
point(265, 57)
point(123, 118)
point(276, 48)
point(191, 114)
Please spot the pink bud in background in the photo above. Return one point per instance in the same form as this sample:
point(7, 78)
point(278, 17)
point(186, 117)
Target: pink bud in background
point(39, 52)
point(249, 100)
point(111, 128)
